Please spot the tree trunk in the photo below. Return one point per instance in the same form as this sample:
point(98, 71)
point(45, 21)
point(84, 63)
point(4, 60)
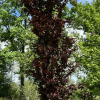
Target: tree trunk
point(21, 84)
point(12, 71)
point(43, 97)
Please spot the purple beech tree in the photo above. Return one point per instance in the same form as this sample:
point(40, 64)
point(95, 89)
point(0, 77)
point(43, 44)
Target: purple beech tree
point(51, 68)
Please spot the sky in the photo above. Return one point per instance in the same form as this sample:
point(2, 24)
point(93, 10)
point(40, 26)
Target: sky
point(83, 1)
point(15, 77)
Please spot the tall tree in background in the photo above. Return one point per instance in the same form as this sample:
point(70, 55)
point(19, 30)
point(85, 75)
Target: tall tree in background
point(88, 17)
point(51, 68)
point(16, 33)
point(30, 90)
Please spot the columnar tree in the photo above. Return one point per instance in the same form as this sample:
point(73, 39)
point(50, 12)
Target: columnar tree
point(51, 68)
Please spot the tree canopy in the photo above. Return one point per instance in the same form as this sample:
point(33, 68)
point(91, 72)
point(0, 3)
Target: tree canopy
point(87, 17)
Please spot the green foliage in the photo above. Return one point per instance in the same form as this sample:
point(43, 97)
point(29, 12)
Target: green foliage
point(87, 16)
point(4, 80)
point(16, 32)
point(3, 99)
point(30, 91)
point(83, 94)
point(65, 13)
point(90, 57)
point(14, 91)
point(16, 35)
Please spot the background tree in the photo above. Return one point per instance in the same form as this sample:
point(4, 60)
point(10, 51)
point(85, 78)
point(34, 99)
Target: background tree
point(14, 91)
point(30, 90)
point(87, 17)
point(16, 33)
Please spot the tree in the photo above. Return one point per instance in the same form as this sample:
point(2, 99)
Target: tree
point(81, 94)
point(51, 68)
point(87, 17)
point(30, 90)
point(15, 32)
point(14, 91)
point(90, 61)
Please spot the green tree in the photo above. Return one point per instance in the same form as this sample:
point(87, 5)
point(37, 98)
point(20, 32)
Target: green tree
point(86, 17)
point(16, 33)
point(14, 91)
point(30, 90)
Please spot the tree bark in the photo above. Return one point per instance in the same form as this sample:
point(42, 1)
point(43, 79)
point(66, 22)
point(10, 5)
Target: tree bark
point(12, 71)
point(21, 84)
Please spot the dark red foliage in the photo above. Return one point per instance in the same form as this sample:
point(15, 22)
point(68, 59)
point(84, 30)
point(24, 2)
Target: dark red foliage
point(51, 68)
